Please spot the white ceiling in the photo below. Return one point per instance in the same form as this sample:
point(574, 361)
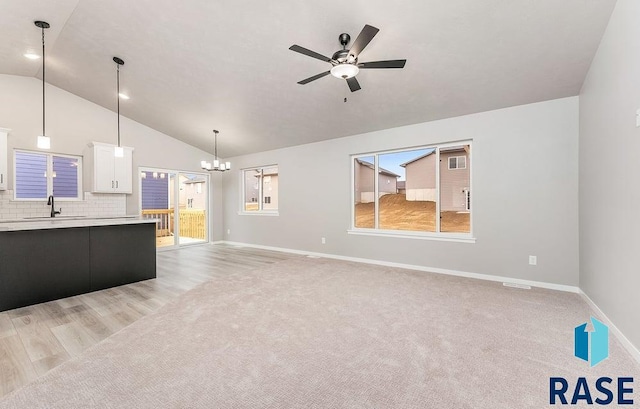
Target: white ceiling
point(197, 65)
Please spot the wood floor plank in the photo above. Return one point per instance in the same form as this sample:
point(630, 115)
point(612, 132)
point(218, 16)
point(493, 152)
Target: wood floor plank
point(6, 326)
point(44, 365)
point(16, 369)
point(74, 338)
point(37, 338)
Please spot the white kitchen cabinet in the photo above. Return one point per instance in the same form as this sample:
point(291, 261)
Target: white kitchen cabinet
point(4, 158)
point(106, 173)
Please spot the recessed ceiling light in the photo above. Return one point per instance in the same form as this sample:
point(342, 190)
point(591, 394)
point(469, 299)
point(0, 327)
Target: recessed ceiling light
point(123, 96)
point(32, 56)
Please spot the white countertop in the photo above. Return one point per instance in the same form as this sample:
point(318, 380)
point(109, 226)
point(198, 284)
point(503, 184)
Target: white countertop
point(62, 222)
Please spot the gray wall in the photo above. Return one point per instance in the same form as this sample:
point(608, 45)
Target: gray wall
point(72, 122)
point(609, 176)
point(525, 195)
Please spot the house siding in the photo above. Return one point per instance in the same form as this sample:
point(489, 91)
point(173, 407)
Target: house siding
point(270, 192)
point(421, 179)
point(364, 183)
point(453, 182)
point(190, 198)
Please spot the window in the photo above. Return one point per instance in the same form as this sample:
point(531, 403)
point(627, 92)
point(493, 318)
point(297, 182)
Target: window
point(411, 191)
point(38, 175)
point(457, 162)
point(260, 190)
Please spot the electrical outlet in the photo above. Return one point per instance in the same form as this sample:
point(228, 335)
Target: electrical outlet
point(638, 118)
point(323, 240)
point(228, 231)
point(533, 260)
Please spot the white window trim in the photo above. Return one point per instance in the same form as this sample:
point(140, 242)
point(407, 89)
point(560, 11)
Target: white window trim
point(457, 158)
point(49, 155)
point(260, 211)
point(409, 234)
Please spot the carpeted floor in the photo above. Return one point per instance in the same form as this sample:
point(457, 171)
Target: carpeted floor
point(320, 333)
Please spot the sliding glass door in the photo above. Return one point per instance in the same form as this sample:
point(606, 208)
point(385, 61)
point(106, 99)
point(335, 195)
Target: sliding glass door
point(179, 201)
point(193, 192)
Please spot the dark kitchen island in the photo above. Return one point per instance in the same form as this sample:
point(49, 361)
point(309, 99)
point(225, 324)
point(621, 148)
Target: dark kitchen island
point(50, 259)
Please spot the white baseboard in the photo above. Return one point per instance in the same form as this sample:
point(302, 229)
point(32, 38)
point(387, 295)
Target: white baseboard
point(540, 284)
point(623, 340)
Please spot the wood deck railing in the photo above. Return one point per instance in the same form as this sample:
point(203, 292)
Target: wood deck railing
point(193, 222)
point(164, 225)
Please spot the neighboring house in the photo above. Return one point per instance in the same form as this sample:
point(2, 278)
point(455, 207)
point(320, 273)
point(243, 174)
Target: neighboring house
point(402, 189)
point(454, 178)
point(269, 189)
point(364, 181)
point(192, 193)
point(155, 191)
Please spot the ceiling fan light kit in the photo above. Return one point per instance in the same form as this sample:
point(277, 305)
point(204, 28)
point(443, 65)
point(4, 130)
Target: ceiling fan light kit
point(345, 62)
point(345, 71)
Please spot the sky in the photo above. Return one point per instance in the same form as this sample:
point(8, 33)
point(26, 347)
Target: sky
point(392, 161)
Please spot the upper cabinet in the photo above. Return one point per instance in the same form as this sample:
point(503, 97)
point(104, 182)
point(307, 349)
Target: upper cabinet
point(106, 173)
point(4, 158)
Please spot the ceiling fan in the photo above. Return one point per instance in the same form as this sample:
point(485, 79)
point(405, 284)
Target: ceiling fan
point(345, 62)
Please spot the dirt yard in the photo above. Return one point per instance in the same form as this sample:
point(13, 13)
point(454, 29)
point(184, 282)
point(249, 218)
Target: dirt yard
point(396, 213)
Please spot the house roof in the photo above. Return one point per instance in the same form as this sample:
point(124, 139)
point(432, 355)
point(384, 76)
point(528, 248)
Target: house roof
point(453, 149)
point(380, 169)
point(418, 158)
point(195, 180)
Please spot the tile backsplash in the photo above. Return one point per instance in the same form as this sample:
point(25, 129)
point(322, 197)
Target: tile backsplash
point(93, 205)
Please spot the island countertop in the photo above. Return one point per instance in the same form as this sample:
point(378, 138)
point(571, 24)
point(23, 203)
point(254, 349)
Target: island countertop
point(62, 222)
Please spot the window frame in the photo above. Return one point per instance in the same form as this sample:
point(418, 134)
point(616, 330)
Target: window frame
point(261, 211)
point(49, 156)
point(457, 158)
point(424, 235)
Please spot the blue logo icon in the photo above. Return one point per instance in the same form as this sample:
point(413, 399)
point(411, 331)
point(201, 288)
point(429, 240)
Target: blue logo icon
point(592, 347)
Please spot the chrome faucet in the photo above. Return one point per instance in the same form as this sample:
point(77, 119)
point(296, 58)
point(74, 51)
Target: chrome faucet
point(51, 203)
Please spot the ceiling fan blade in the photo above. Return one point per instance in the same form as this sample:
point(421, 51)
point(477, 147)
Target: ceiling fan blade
point(310, 53)
point(364, 38)
point(383, 64)
point(315, 77)
point(354, 85)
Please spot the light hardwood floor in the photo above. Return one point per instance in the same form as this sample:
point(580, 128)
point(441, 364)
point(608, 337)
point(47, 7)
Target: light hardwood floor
point(35, 339)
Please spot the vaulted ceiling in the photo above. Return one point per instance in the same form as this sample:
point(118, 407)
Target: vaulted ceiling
point(196, 65)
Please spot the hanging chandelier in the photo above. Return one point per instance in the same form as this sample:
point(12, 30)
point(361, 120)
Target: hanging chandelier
point(217, 166)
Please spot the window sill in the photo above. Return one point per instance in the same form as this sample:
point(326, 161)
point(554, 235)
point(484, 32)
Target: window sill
point(459, 238)
point(258, 213)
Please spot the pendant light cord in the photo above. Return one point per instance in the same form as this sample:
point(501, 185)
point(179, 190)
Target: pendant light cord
point(215, 146)
point(43, 89)
point(118, 97)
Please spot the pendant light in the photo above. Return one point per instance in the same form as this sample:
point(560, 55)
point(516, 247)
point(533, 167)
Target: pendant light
point(217, 166)
point(118, 152)
point(44, 142)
